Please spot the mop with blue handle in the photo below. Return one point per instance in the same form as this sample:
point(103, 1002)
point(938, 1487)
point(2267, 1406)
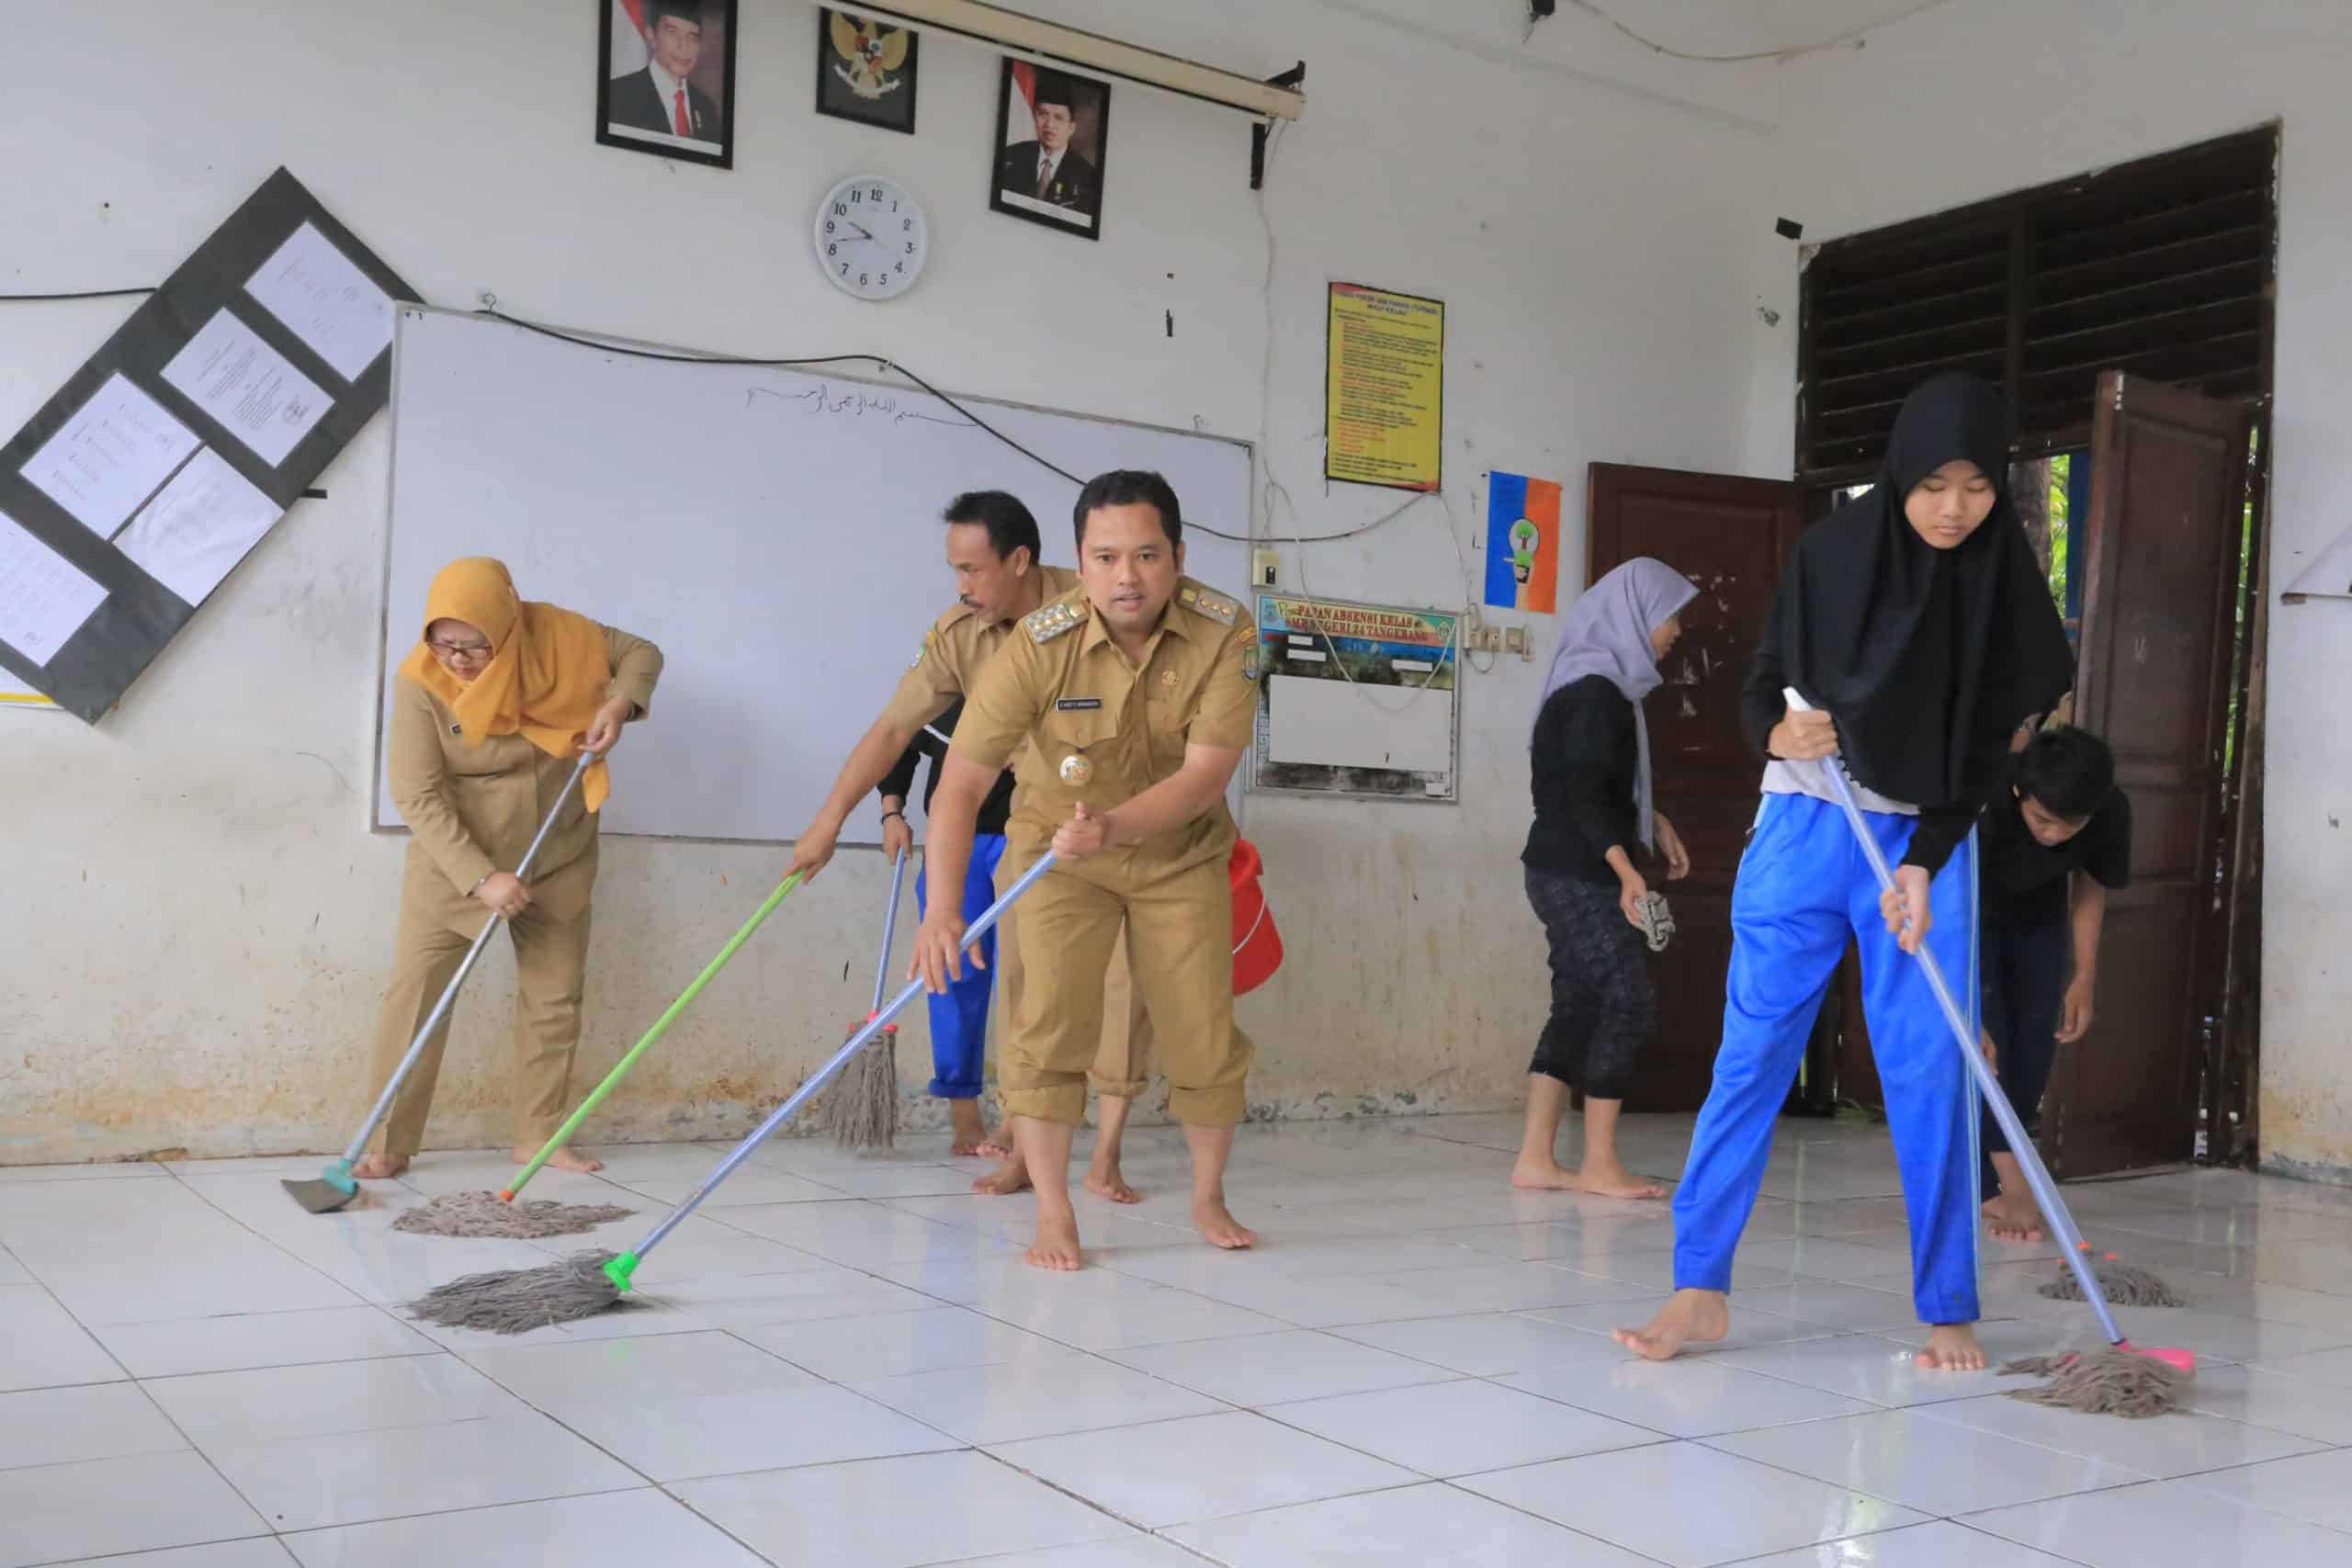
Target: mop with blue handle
point(2125, 1379)
point(512, 1300)
point(862, 1112)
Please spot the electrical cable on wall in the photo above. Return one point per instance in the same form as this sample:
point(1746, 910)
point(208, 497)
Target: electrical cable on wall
point(81, 294)
point(1591, 8)
point(1275, 490)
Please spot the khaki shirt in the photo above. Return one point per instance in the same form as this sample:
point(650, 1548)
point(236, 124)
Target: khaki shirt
point(1087, 725)
point(474, 809)
point(955, 651)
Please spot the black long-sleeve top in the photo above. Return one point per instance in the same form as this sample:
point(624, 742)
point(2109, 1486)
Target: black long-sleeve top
point(1581, 773)
point(1762, 704)
point(930, 741)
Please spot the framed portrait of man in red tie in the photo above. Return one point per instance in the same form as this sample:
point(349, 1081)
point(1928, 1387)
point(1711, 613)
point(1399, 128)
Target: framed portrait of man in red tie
point(666, 78)
point(1054, 130)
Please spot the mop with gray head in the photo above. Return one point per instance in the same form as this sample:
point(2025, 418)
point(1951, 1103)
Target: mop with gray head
point(2123, 1284)
point(515, 1300)
point(2107, 1382)
point(486, 1214)
point(861, 1111)
point(862, 1108)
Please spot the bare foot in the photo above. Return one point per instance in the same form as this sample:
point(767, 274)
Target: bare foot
point(1692, 1317)
point(1543, 1176)
point(380, 1167)
point(1613, 1181)
point(2013, 1219)
point(1005, 1179)
point(1953, 1348)
point(1056, 1243)
point(1105, 1181)
point(1218, 1227)
point(565, 1159)
point(970, 1135)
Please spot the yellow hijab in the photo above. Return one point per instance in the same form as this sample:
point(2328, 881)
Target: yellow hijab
point(545, 679)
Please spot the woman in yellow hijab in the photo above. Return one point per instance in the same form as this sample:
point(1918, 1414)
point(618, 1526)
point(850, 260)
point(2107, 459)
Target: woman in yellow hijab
point(490, 714)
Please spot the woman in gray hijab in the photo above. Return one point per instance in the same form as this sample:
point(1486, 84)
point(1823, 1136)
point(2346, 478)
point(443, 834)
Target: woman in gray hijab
point(1590, 772)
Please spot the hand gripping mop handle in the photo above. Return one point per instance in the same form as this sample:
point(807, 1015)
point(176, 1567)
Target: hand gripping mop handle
point(889, 932)
point(621, 1269)
point(2037, 1176)
point(450, 994)
point(661, 1027)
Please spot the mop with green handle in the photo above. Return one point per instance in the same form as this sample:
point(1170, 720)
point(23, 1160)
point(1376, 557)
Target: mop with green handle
point(2125, 1379)
point(335, 1186)
point(513, 1300)
point(661, 1027)
point(497, 1214)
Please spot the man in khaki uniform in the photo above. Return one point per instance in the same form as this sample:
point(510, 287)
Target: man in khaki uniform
point(472, 812)
point(992, 547)
point(1124, 706)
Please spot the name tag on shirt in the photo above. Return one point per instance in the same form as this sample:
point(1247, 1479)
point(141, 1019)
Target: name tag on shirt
point(1075, 704)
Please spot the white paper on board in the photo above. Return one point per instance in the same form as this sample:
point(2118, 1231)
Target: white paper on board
point(249, 388)
point(196, 532)
point(324, 300)
point(110, 455)
point(44, 598)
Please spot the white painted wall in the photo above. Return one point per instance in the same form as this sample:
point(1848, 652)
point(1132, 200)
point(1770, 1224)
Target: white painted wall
point(194, 921)
point(1981, 96)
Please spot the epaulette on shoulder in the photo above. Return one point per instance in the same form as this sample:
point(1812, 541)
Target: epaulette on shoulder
point(1050, 622)
point(1210, 603)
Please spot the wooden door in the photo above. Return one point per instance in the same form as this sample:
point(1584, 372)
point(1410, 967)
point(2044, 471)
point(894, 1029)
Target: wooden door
point(1730, 535)
point(2167, 510)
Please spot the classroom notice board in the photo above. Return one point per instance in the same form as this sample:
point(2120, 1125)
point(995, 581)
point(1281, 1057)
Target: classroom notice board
point(163, 461)
point(1356, 699)
point(1384, 394)
point(776, 532)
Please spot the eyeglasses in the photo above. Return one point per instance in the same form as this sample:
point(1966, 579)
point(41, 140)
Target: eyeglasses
point(465, 651)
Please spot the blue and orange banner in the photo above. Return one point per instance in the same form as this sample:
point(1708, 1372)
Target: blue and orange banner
point(1522, 544)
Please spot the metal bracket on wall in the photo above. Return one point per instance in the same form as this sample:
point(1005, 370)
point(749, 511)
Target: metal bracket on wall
point(1293, 79)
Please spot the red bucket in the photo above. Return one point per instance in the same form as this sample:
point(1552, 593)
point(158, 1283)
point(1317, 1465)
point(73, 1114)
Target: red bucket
point(1257, 945)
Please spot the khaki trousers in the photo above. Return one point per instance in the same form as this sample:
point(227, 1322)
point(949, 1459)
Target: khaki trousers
point(1121, 1066)
point(1178, 944)
point(437, 925)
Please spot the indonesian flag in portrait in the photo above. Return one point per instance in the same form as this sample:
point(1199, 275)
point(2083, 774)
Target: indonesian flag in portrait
point(630, 52)
point(1021, 106)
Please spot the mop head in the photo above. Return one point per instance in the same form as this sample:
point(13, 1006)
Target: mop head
point(2111, 1381)
point(486, 1214)
point(862, 1108)
point(2123, 1286)
point(515, 1300)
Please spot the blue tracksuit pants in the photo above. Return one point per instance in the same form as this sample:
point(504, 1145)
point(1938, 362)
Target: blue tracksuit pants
point(1803, 888)
point(959, 1019)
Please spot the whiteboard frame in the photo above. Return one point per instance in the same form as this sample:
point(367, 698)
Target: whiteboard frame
point(1234, 795)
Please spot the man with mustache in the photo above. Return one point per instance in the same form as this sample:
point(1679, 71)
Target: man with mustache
point(992, 547)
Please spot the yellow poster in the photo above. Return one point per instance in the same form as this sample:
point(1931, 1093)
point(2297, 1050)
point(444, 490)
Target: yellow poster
point(1383, 401)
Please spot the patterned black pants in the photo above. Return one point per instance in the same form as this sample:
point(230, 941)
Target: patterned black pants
point(1602, 1005)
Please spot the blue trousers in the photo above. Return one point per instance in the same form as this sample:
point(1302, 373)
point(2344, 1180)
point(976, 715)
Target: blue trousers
point(1803, 886)
point(959, 1019)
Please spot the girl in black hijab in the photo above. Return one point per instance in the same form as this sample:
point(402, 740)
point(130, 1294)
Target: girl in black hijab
point(1915, 619)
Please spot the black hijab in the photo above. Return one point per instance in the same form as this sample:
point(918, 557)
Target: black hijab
point(1928, 658)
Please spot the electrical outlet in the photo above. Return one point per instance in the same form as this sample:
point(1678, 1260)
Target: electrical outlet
point(1515, 641)
point(1264, 568)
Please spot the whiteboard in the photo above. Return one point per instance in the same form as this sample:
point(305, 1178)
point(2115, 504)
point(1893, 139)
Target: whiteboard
point(776, 532)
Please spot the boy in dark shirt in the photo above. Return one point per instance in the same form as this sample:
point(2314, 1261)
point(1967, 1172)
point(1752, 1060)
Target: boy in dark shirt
point(2054, 848)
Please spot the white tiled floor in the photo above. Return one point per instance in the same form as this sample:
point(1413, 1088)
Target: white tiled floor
point(844, 1363)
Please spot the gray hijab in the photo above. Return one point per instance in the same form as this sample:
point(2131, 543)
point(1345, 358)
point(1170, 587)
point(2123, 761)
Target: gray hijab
point(1608, 634)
